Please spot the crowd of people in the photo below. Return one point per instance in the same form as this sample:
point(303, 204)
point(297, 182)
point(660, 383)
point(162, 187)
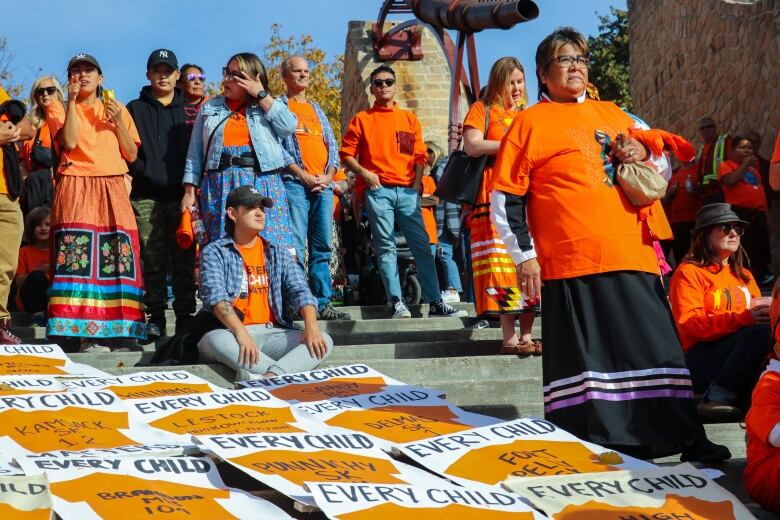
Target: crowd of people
point(255, 193)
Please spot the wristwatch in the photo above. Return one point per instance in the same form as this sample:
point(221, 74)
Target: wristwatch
point(262, 95)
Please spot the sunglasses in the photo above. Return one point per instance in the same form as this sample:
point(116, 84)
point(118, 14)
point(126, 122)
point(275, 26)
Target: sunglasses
point(193, 77)
point(389, 82)
point(231, 75)
point(45, 90)
point(739, 229)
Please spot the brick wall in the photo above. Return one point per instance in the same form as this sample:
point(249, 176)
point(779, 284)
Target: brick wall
point(693, 58)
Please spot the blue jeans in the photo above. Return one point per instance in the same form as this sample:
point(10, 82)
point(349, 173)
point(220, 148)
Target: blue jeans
point(450, 267)
point(311, 216)
point(385, 206)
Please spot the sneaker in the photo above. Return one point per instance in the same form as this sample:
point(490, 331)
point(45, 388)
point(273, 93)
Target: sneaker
point(704, 450)
point(400, 310)
point(6, 336)
point(242, 374)
point(439, 309)
point(328, 313)
point(155, 329)
point(90, 347)
point(450, 296)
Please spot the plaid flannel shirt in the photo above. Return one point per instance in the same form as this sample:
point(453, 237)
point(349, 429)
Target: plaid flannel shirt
point(222, 268)
point(293, 151)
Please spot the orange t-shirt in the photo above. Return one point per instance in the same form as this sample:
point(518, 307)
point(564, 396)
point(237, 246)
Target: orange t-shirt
point(253, 296)
point(429, 219)
point(339, 176)
point(708, 305)
point(582, 223)
point(30, 258)
point(748, 193)
point(236, 132)
point(776, 153)
point(97, 152)
point(311, 139)
point(762, 472)
point(24, 154)
point(499, 120)
point(387, 142)
point(684, 205)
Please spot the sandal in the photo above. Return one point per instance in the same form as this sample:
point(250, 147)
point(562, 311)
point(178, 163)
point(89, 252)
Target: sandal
point(526, 348)
point(537, 347)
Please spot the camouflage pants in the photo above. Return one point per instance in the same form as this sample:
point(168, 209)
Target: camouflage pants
point(157, 223)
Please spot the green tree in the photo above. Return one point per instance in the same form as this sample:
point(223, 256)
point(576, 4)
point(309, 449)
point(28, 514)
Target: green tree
point(6, 70)
point(324, 74)
point(609, 69)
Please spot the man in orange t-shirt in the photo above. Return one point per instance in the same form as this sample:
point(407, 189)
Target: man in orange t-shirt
point(384, 146)
point(308, 181)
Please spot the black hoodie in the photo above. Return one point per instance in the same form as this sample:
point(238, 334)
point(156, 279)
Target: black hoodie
point(158, 171)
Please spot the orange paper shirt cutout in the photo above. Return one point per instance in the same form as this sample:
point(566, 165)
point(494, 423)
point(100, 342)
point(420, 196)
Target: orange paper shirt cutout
point(332, 388)
point(492, 464)
point(8, 511)
point(127, 497)
point(159, 390)
point(229, 419)
point(401, 423)
point(450, 512)
point(684, 507)
point(21, 364)
point(321, 466)
point(71, 428)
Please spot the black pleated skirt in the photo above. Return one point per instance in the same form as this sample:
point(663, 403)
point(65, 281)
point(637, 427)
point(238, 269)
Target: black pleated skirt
point(614, 370)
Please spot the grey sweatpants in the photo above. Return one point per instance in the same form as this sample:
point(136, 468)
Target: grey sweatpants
point(281, 350)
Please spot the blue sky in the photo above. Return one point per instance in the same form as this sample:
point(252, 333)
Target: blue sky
point(122, 33)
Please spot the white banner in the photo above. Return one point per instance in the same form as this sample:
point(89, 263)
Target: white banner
point(146, 385)
point(528, 447)
point(326, 383)
point(401, 414)
point(25, 498)
point(12, 385)
point(41, 360)
point(679, 492)
point(153, 487)
point(285, 461)
point(42, 423)
point(357, 501)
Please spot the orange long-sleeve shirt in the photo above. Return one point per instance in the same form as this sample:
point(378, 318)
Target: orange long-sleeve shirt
point(708, 305)
point(386, 141)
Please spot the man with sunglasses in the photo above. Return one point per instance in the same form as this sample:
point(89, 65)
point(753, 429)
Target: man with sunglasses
point(384, 147)
point(157, 189)
point(309, 182)
point(715, 150)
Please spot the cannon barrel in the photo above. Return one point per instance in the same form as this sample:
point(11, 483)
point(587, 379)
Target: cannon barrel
point(474, 15)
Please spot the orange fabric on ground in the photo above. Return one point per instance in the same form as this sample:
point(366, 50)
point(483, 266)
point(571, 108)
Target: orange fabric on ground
point(97, 152)
point(491, 264)
point(253, 297)
point(311, 140)
point(581, 222)
point(429, 219)
point(762, 472)
point(776, 153)
point(387, 142)
point(24, 154)
point(236, 131)
point(748, 193)
point(30, 258)
point(684, 205)
point(707, 304)
point(339, 176)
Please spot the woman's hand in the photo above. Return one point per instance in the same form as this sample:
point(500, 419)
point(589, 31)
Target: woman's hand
point(252, 86)
point(74, 88)
point(631, 151)
point(760, 313)
point(530, 277)
point(114, 111)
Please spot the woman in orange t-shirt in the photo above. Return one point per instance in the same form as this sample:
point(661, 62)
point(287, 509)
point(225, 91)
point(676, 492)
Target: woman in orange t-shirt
point(612, 362)
point(720, 315)
point(493, 269)
point(743, 189)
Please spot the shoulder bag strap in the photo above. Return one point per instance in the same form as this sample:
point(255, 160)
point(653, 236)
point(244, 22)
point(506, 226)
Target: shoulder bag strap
point(211, 139)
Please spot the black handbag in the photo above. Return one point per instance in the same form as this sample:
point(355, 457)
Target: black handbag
point(462, 177)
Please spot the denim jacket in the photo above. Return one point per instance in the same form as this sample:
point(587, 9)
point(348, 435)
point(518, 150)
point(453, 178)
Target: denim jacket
point(222, 268)
point(265, 130)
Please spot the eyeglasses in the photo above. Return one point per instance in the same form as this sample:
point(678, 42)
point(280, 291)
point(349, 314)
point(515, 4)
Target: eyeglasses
point(193, 77)
point(739, 229)
point(231, 75)
point(45, 90)
point(389, 82)
point(566, 60)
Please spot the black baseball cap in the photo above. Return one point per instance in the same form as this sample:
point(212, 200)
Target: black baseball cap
point(249, 197)
point(166, 56)
point(84, 58)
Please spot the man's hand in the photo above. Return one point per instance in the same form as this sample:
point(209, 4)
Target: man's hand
point(417, 185)
point(530, 277)
point(248, 353)
point(372, 179)
point(309, 181)
point(8, 132)
point(314, 341)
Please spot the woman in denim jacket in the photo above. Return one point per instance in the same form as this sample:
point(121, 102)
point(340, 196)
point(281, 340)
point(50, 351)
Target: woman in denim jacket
point(235, 142)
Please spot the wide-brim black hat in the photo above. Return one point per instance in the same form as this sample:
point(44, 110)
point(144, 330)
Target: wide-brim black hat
point(716, 213)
